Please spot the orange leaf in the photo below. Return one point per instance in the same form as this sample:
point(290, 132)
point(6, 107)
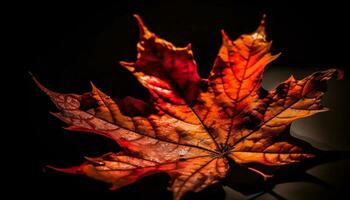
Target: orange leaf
point(192, 126)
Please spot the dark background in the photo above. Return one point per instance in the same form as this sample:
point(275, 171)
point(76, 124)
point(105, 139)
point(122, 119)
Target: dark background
point(66, 45)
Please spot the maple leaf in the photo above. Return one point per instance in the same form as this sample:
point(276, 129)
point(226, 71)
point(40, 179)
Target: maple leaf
point(191, 126)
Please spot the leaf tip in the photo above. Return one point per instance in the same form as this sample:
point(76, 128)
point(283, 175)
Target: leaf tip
point(113, 187)
point(40, 86)
point(325, 109)
point(144, 32)
point(274, 57)
point(128, 65)
point(225, 38)
point(94, 88)
point(92, 85)
point(53, 113)
point(263, 19)
point(189, 46)
point(71, 170)
point(72, 128)
point(95, 161)
point(291, 78)
point(261, 28)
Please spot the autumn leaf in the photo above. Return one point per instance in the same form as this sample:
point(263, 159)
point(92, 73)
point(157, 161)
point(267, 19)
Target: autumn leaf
point(191, 126)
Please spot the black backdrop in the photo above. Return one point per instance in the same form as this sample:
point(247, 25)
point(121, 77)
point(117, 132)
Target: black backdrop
point(66, 45)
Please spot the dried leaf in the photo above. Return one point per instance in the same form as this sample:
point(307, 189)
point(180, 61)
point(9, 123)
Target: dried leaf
point(191, 126)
